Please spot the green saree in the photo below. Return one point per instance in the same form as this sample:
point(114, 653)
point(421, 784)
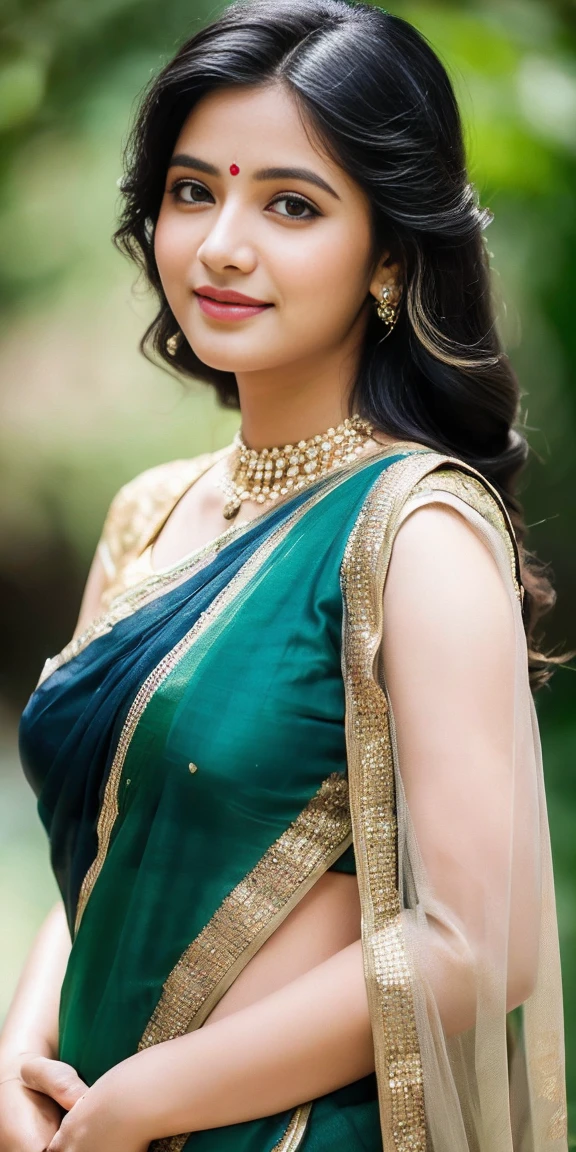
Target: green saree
point(213, 744)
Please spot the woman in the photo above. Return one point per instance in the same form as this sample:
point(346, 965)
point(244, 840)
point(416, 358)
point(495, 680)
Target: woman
point(289, 764)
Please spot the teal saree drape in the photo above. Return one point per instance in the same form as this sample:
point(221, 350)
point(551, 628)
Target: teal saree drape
point(191, 755)
point(190, 767)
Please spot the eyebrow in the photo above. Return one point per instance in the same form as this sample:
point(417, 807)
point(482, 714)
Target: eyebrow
point(295, 174)
point(183, 160)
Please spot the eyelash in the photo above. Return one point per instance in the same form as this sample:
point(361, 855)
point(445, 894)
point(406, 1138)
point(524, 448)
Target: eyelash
point(294, 196)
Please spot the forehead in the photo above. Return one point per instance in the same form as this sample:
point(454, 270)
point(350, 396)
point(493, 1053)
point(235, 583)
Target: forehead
point(257, 127)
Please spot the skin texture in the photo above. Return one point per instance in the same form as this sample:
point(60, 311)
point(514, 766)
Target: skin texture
point(295, 1024)
point(28, 1120)
point(295, 362)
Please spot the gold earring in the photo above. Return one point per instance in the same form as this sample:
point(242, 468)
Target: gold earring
point(388, 308)
point(173, 343)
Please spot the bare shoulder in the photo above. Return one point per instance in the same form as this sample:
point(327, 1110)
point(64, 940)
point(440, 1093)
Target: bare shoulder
point(440, 531)
point(445, 513)
point(443, 576)
point(449, 637)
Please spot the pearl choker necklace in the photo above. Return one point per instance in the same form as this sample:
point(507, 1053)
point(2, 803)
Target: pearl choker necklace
point(265, 475)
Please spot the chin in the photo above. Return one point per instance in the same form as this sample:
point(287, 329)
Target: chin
point(229, 360)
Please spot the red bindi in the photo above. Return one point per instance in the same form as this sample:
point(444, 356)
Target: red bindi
point(234, 169)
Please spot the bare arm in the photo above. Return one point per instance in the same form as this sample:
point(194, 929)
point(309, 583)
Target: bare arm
point(301, 1041)
point(31, 1024)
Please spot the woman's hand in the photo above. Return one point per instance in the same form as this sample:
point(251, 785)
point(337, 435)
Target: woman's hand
point(98, 1121)
point(28, 1119)
point(54, 1078)
point(94, 1119)
point(33, 1100)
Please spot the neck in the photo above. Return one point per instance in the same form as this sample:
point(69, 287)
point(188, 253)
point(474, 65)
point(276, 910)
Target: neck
point(293, 402)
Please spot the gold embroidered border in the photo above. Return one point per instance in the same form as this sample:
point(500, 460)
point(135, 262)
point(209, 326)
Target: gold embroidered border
point(290, 1141)
point(244, 921)
point(127, 602)
point(251, 912)
point(169, 1143)
point(371, 770)
point(296, 1130)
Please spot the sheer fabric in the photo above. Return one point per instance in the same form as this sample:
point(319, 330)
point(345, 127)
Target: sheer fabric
point(453, 853)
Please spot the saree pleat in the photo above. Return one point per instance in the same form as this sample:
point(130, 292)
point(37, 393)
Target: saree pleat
point(207, 749)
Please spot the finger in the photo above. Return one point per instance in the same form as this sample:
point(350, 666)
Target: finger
point(61, 1140)
point(54, 1078)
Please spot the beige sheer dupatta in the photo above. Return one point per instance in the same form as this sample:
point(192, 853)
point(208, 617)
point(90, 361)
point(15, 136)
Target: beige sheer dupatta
point(482, 1085)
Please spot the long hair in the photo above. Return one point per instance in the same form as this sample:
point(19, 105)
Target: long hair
point(381, 103)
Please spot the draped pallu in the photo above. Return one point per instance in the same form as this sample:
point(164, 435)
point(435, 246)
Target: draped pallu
point(219, 738)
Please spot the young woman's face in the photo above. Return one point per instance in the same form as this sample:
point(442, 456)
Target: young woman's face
point(251, 206)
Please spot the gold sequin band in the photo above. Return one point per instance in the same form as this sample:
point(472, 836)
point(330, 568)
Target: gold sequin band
point(251, 912)
point(372, 757)
point(290, 1140)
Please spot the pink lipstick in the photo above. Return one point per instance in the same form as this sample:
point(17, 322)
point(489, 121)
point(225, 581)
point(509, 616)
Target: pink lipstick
point(226, 304)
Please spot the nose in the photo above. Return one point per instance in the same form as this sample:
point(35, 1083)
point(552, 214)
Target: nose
point(226, 245)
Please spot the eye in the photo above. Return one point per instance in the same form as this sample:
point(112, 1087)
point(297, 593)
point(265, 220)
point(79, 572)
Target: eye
point(295, 206)
point(196, 193)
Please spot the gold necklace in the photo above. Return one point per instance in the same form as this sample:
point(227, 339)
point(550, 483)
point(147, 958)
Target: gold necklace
point(265, 475)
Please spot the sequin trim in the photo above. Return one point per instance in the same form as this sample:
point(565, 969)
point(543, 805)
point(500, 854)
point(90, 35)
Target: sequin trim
point(371, 772)
point(251, 912)
point(296, 1130)
point(169, 1143)
point(290, 1141)
point(127, 602)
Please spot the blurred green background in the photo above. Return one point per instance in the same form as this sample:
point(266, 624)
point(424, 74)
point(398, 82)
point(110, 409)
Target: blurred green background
point(81, 411)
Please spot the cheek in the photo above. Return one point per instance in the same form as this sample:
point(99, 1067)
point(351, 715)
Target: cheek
point(327, 275)
point(171, 251)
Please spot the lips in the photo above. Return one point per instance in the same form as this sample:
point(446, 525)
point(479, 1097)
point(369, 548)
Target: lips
point(226, 304)
point(229, 296)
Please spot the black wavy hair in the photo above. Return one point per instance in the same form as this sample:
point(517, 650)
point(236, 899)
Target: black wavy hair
point(379, 100)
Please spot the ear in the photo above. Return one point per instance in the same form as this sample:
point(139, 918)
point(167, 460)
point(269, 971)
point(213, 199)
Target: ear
point(387, 274)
